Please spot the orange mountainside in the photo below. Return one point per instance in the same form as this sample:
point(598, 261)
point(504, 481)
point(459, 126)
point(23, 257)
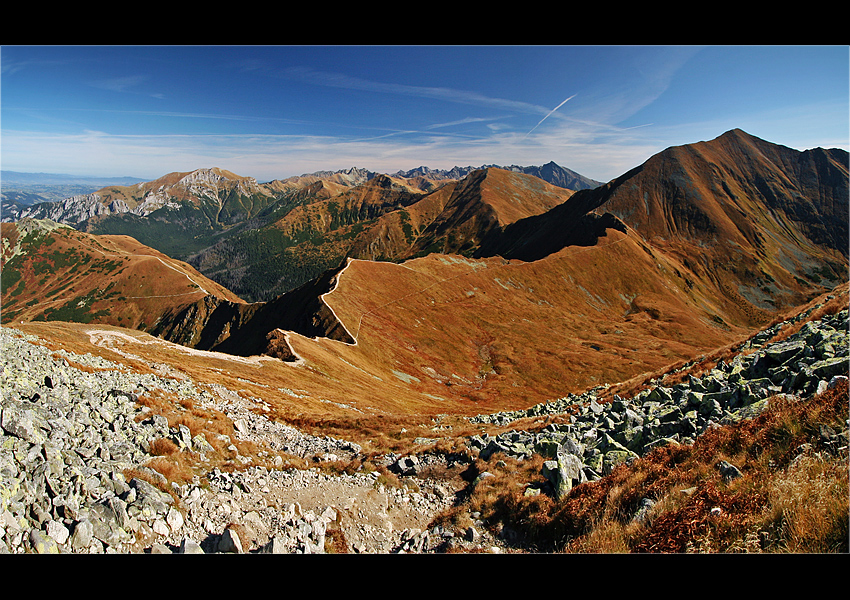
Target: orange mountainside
point(61, 271)
point(495, 302)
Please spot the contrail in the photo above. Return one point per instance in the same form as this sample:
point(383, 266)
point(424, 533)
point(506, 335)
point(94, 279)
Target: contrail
point(550, 112)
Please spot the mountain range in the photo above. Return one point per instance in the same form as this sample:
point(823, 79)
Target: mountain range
point(475, 289)
point(18, 190)
point(262, 240)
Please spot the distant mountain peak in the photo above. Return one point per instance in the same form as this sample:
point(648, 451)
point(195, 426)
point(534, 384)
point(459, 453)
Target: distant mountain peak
point(214, 175)
point(550, 172)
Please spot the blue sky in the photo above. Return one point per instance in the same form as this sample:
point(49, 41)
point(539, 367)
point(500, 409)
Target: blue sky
point(272, 112)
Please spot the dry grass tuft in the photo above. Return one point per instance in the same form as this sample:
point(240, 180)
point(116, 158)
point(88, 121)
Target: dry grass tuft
point(177, 468)
point(807, 506)
point(335, 542)
point(163, 447)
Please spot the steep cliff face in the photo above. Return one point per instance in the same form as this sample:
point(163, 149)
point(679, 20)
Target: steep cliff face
point(75, 209)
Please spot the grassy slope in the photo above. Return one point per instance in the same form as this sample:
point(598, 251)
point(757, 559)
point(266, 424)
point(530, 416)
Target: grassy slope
point(491, 333)
point(67, 275)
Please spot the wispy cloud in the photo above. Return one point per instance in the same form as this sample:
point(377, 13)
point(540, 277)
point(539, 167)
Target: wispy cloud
point(465, 121)
point(119, 84)
point(161, 113)
point(585, 132)
point(338, 80)
point(268, 157)
point(12, 66)
point(129, 84)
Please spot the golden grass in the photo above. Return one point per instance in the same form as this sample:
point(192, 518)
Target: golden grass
point(178, 467)
point(793, 495)
point(831, 307)
point(595, 517)
point(806, 508)
point(335, 542)
point(163, 447)
point(677, 372)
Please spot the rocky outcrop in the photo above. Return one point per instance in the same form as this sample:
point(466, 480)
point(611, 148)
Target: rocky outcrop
point(550, 172)
point(214, 185)
point(67, 436)
point(71, 210)
point(601, 436)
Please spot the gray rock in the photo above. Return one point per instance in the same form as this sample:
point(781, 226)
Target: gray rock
point(149, 499)
point(58, 532)
point(836, 381)
point(782, 352)
point(190, 546)
point(83, 535)
point(563, 473)
point(644, 507)
point(829, 368)
point(728, 470)
point(229, 542)
point(23, 423)
point(276, 546)
point(42, 543)
point(615, 457)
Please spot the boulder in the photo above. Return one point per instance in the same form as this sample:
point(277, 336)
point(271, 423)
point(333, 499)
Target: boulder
point(563, 473)
point(616, 457)
point(783, 352)
point(190, 546)
point(229, 542)
point(728, 470)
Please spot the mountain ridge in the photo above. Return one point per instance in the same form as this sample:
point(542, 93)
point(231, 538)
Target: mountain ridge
point(663, 255)
point(549, 172)
point(589, 213)
point(131, 194)
point(484, 350)
point(51, 271)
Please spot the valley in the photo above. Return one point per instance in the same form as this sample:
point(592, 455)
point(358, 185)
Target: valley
point(394, 310)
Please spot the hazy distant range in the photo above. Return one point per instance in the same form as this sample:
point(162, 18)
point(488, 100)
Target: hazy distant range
point(32, 188)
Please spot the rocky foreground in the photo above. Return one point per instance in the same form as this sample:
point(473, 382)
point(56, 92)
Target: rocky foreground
point(70, 430)
point(72, 426)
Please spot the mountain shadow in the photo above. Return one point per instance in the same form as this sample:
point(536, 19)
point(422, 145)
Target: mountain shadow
point(218, 325)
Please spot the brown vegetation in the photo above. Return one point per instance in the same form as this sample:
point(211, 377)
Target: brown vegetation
point(699, 257)
point(66, 275)
point(792, 496)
